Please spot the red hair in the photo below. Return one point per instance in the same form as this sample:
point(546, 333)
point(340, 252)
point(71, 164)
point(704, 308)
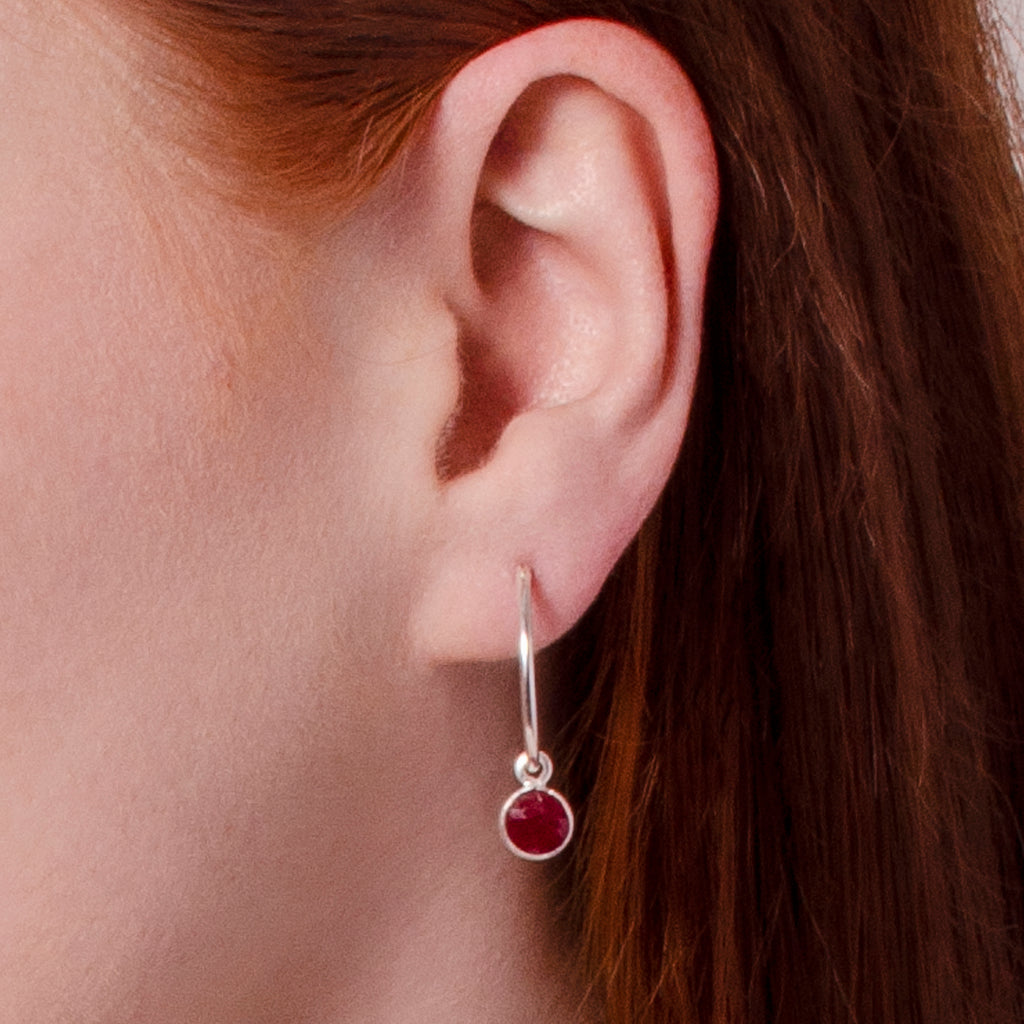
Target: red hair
point(799, 742)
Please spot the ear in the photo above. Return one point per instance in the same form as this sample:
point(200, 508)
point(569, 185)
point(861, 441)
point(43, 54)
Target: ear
point(576, 182)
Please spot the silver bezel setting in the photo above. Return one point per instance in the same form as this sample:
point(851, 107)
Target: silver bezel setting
point(530, 782)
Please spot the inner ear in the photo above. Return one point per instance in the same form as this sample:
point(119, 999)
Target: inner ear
point(486, 404)
point(489, 393)
point(535, 335)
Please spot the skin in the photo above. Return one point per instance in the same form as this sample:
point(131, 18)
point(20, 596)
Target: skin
point(167, 458)
point(240, 784)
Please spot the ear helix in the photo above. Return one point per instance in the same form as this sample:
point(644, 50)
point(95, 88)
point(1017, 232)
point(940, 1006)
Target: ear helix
point(536, 822)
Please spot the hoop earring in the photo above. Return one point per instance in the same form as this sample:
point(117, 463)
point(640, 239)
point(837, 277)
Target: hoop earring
point(536, 822)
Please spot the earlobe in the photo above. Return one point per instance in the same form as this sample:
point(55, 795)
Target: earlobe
point(585, 222)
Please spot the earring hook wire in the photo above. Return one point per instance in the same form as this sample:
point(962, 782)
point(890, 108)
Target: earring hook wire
point(527, 681)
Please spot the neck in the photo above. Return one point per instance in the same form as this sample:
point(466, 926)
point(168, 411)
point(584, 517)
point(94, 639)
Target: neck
point(435, 919)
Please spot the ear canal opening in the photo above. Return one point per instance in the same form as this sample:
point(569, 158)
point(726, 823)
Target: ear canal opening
point(488, 391)
point(476, 424)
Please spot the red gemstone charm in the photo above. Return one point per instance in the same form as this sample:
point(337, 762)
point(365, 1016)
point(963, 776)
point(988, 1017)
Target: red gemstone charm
point(536, 822)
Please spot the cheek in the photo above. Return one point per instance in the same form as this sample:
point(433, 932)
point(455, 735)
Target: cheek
point(98, 379)
point(86, 392)
point(142, 431)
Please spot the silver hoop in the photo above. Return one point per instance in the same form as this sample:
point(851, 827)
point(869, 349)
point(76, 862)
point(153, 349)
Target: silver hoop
point(533, 778)
point(536, 822)
point(527, 675)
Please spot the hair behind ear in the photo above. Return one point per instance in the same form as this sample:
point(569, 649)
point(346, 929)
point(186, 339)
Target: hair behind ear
point(801, 755)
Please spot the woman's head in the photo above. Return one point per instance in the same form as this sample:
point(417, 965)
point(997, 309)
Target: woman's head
point(257, 521)
point(325, 328)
